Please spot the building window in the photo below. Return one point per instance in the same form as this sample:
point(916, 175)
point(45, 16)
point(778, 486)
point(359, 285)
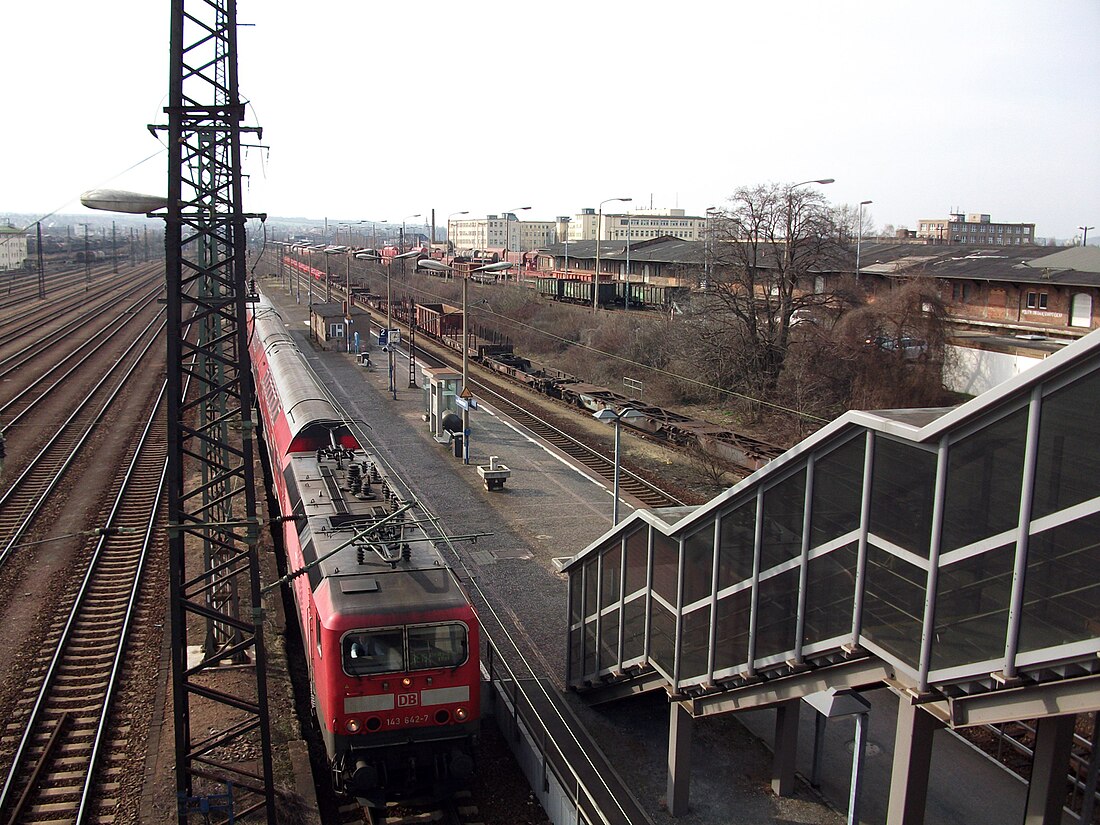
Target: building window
point(1037, 300)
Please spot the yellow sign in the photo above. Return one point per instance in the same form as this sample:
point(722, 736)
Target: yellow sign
point(466, 393)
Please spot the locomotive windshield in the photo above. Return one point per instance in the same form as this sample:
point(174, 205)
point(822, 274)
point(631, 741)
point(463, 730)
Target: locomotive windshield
point(374, 651)
point(418, 647)
point(441, 645)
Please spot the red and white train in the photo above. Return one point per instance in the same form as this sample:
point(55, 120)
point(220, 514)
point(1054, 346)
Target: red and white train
point(390, 635)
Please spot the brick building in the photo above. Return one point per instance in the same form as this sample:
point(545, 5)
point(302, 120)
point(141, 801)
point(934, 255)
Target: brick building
point(1019, 291)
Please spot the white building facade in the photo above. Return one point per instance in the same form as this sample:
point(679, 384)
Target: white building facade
point(13, 248)
point(975, 228)
point(500, 231)
point(641, 224)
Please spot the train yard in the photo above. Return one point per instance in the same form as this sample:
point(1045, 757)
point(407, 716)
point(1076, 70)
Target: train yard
point(86, 449)
point(80, 540)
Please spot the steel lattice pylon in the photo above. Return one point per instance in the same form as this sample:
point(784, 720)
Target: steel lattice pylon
point(213, 528)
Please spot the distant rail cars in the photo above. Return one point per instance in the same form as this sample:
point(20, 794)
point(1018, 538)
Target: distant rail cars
point(611, 294)
point(443, 323)
point(305, 269)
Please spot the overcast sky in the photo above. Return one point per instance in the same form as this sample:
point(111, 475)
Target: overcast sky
point(380, 110)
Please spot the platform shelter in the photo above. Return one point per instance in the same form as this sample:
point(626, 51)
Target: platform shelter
point(951, 554)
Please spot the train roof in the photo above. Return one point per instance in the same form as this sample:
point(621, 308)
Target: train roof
point(393, 593)
point(401, 569)
point(303, 403)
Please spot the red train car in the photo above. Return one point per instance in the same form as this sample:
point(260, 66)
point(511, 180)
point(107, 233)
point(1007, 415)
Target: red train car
point(391, 637)
point(305, 269)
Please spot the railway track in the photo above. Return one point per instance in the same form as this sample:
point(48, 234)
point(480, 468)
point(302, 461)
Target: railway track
point(28, 316)
point(62, 765)
point(22, 286)
point(31, 352)
point(630, 482)
point(26, 498)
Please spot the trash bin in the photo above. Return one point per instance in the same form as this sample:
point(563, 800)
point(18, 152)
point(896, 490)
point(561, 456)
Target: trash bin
point(456, 443)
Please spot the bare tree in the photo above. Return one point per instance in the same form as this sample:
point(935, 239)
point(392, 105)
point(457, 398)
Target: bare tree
point(771, 242)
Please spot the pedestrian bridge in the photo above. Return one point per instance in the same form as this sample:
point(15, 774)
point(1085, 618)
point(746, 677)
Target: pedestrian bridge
point(953, 554)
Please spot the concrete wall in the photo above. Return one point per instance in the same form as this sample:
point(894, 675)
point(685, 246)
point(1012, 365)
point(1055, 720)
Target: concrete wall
point(973, 371)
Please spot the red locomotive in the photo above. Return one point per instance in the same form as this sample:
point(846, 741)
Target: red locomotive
point(390, 634)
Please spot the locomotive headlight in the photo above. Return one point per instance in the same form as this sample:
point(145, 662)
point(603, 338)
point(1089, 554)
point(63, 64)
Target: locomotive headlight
point(406, 681)
point(353, 725)
point(460, 714)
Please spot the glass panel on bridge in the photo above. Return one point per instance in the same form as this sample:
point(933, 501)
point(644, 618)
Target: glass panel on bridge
point(901, 494)
point(982, 497)
point(838, 492)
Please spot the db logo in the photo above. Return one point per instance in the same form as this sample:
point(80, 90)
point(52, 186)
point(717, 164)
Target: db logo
point(405, 700)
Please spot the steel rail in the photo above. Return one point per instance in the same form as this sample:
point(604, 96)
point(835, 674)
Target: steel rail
point(22, 322)
point(31, 350)
point(40, 495)
point(104, 333)
point(132, 478)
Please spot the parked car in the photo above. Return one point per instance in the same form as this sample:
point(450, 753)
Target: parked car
point(907, 346)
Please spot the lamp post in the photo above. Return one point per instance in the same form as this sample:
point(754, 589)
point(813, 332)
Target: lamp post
point(508, 232)
point(417, 215)
point(1085, 236)
point(450, 243)
point(626, 275)
point(617, 418)
point(565, 221)
point(707, 251)
point(389, 310)
point(309, 285)
point(596, 274)
point(328, 272)
point(87, 267)
point(859, 234)
point(439, 266)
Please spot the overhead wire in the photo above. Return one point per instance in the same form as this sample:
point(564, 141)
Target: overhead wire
point(53, 212)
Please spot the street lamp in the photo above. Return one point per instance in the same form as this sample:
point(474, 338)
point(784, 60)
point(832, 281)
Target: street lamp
point(566, 221)
point(417, 215)
point(439, 266)
point(859, 235)
point(450, 243)
point(596, 274)
point(626, 275)
point(347, 296)
point(1085, 237)
point(328, 272)
point(389, 308)
point(707, 251)
point(617, 417)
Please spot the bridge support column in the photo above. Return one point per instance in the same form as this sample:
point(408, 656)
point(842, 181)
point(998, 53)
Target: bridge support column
point(1046, 794)
point(912, 759)
point(786, 747)
point(679, 759)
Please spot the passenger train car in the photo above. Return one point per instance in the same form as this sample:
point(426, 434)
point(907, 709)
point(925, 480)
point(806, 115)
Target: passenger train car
point(390, 635)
